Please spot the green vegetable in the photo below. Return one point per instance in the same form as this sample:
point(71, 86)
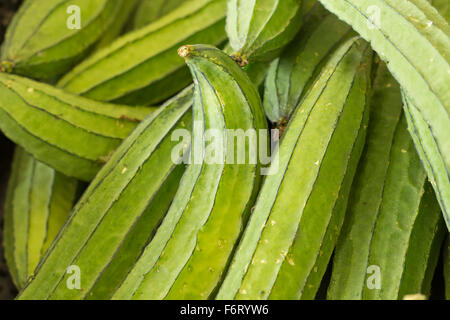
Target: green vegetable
point(142, 67)
point(38, 203)
point(72, 134)
point(293, 228)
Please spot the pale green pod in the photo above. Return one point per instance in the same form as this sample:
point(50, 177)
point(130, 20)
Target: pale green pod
point(289, 239)
point(118, 213)
point(291, 73)
point(259, 29)
point(72, 134)
point(443, 6)
point(389, 244)
point(39, 200)
point(126, 10)
point(142, 67)
point(396, 29)
point(47, 37)
point(149, 11)
point(208, 213)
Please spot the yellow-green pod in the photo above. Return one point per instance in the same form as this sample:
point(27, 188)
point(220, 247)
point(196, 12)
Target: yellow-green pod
point(39, 200)
point(149, 11)
point(289, 239)
point(142, 67)
point(47, 37)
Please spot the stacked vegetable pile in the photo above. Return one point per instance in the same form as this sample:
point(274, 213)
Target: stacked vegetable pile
point(104, 202)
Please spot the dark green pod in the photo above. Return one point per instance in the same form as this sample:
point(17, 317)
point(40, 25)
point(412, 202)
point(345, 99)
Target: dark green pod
point(149, 11)
point(142, 67)
point(198, 235)
point(39, 200)
point(259, 29)
point(390, 241)
point(291, 73)
point(289, 239)
point(447, 268)
point(72, 134)
point(39, 42)
point(117, 215)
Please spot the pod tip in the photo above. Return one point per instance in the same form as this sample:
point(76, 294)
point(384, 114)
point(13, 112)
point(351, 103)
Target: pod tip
point(185, 51)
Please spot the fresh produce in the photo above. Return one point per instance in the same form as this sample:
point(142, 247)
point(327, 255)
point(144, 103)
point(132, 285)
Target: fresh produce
point(142, 67)
point(390, 242)
point(38, 203)
point(127, 196)
point(201, 227)
point(425, 78)
point(69, 133)
point(44, 42)
point(294, 225)
point(149, 11)
point(290, 75)
point(227, 149)
point(258, 29)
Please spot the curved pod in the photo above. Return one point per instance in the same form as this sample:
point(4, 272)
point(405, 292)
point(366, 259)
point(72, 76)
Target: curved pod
point(117, 215)
point(198, 235)
point(142, 67)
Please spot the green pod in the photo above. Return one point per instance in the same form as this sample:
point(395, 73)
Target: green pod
point(149, 11)
point(395, 30)
point(259, 29)
point(126, 10)
point(447, 268)
point(143, 67)
point(291, 234)
point(39, 200)
point(290, 74)
point(390, 241)
point(117, 215)
point(207, 215)
point(72, 134)
point(44, 41)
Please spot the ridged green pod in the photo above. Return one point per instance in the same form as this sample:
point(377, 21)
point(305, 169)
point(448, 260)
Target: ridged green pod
point(126, 10)
point(208, 213)
point(289, 76)
point(118, 213)
point(44, 39)
point(72, 134)
point(395, 30)
point(292, 231)
point(39, 200)
point(259, 29)
point(149, 11)
point(143, 67)
point(390, 241)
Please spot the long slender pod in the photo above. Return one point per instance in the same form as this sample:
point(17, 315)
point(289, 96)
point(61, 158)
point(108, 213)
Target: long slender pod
point(290, 74)
point(38, 203)
point(149, 11)
point(47, 37)
point(126, 11)
point(396, 29)
point(393, 230)
point(142, 67)
point(289, 239)
point(259, 29)
point(72, 134)
point(117, 214)
point(198, 234)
